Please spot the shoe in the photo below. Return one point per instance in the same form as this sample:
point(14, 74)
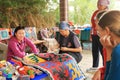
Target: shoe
point(92, 69)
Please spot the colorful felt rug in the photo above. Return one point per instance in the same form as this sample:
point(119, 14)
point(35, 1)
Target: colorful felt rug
point(58, 67)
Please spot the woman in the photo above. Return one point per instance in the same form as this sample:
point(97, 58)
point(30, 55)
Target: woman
point(96, 45)
point(110, 23)
point(18, 43)
point(99, 74)
point(69, 42)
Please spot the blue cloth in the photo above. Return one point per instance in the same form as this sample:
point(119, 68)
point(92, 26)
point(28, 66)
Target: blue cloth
point(113, 66)
point(63, 25)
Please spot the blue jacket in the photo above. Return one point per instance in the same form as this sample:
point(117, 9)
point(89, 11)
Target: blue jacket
point(113, 66)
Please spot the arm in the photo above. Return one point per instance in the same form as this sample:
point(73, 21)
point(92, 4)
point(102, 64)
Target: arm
point(15, 49)
point(99, 74)
point(71, 49)
point(93, 30)
point(31, 45)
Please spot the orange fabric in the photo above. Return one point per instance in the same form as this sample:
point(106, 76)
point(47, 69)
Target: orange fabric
point(77, 31)
point(70, 23)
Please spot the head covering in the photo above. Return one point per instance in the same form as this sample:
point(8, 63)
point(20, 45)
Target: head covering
point(63, 25)
point(104, 2)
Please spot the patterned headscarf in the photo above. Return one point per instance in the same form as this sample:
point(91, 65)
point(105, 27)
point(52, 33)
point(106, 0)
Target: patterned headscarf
point(63, 25)
point(104, 2)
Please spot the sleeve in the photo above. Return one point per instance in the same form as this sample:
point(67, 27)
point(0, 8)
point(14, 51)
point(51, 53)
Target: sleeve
point(113, 67)
point(76, 42)
point(93, 24)
point(15, 49)
point(93, 18)
point(31, 45)
point(102, 70)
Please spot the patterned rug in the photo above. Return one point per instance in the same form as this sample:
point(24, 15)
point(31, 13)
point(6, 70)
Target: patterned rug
point(58, 67)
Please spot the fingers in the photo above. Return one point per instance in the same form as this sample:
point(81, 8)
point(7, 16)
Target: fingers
point(64, 48)
point(106, 41)
point(97, 75)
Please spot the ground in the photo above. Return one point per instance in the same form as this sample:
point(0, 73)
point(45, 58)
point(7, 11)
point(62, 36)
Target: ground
point(87, 62)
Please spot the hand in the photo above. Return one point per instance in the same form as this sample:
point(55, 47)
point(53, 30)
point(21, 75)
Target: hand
point(64, 49)
point(91, 37)
point(97, 75)
point(109, 44)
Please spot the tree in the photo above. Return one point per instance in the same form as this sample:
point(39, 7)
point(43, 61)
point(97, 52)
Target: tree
point(27, 13)
point(83, 10)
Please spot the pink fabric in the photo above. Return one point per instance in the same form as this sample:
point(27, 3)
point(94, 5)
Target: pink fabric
point(16, 48)
point(104, 2)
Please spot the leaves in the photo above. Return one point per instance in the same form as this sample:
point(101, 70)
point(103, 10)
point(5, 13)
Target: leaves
point(27, 13)
point(83, 10)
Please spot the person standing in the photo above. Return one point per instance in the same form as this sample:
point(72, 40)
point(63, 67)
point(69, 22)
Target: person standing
point(109, 25)
point(96, 45)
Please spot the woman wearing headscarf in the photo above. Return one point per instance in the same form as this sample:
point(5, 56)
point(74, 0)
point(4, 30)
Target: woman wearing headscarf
point(96, 45)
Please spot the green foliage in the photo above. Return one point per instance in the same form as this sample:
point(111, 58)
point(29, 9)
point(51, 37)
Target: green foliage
point(27, 12)
point(38, 12)
point(83, 10)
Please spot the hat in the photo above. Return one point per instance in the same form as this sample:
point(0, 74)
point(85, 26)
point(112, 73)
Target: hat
point(63, 25)
point(104, 2)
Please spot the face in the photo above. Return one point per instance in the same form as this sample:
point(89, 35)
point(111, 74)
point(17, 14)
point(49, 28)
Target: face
point(101, 32)
point(64, 32)
point(101, 7)
point(20, 34)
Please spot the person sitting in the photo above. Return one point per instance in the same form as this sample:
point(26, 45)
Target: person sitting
point(69, 42)
point(108, 24)
point(18, 43)
point(100, 73)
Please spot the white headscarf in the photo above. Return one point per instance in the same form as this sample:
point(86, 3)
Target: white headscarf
point(104, 2)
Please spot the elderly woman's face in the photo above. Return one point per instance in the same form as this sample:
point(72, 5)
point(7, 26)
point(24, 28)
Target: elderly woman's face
point(101, 7)
point(20, 34)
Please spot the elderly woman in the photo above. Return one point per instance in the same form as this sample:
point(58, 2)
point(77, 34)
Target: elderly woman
point(96, 45)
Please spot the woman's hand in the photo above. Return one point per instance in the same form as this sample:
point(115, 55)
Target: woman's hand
point(97, 75)
point(109, 44)
point(64, 48)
